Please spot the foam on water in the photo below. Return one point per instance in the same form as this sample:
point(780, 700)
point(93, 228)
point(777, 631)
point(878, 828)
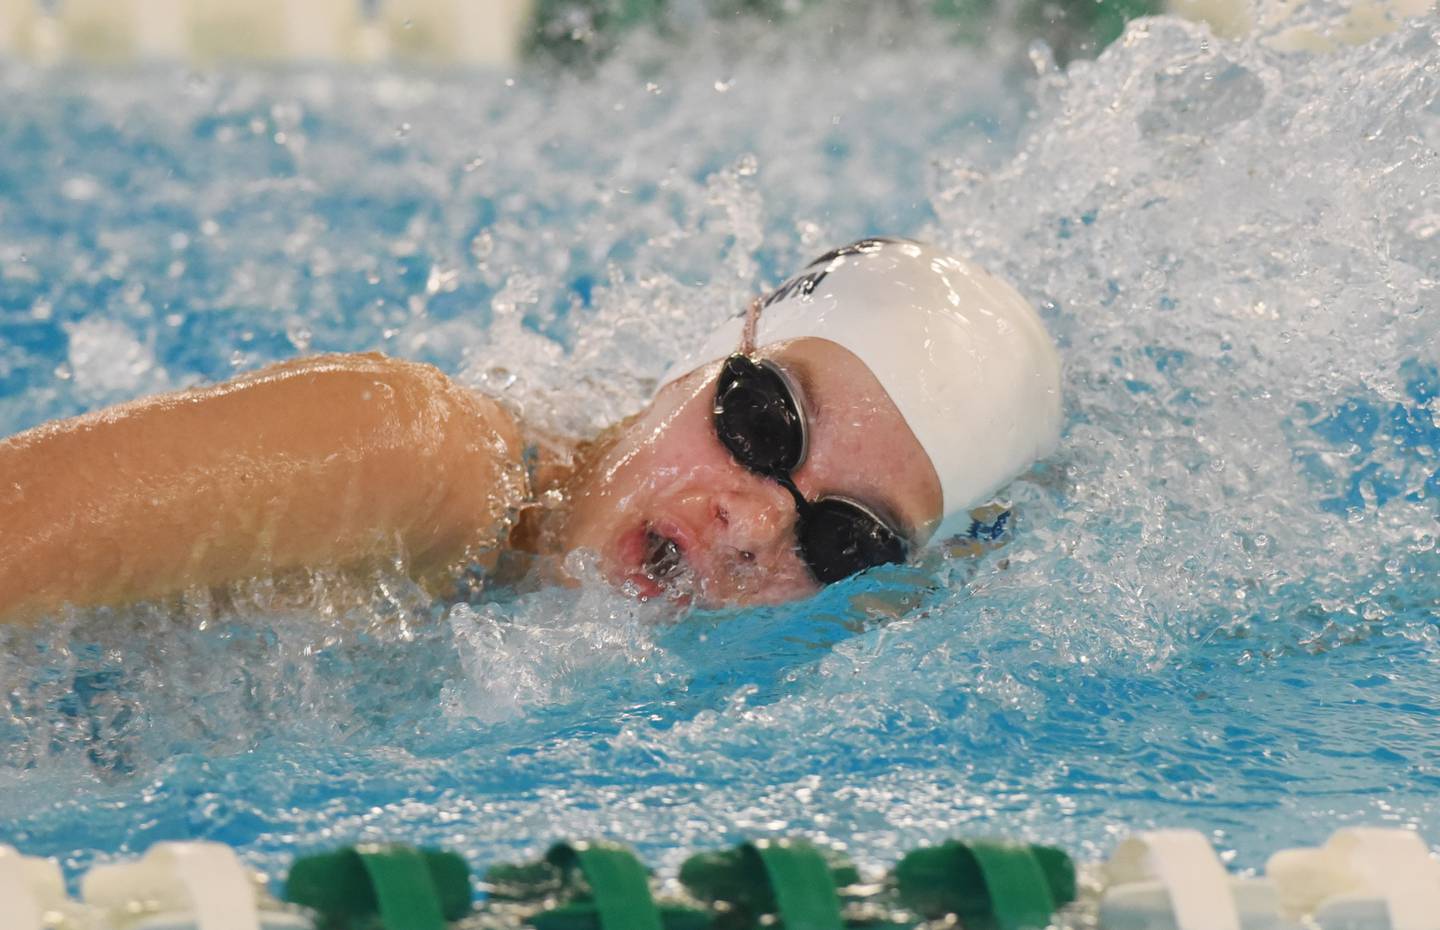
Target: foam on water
point(1217, 608)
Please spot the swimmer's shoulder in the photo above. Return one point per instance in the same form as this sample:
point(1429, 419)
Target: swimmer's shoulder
point(409, 390)
point(466, 449)
point(453, 456)
point(475, 445)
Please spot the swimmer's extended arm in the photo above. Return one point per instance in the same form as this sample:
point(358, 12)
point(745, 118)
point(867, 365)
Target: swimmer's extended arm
point(322, 461)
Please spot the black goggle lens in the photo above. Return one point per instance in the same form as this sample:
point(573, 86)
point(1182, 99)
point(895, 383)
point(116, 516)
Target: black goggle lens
point(759, 422)
point(839, 538)
point(757, 419)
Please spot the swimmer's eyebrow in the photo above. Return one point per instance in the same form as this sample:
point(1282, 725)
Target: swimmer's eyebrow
point(885, 508)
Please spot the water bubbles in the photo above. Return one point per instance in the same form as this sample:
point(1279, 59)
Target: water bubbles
point(300, 335)
point(482, 246)
point(441, 280)
point(80, 188)
point(520, 290)
point(107, 362)
point(1042, 58)
point(500, 378)
point(287, 114)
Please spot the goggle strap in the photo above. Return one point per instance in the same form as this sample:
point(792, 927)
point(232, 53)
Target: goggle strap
point(801, 504)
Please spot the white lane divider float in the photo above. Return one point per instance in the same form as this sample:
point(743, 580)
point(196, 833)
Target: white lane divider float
point(429, 32)
point(184, 886)
point(457, 32)
point(24, 885)
point(32, 895)
point(1172, 880)
point(1363, 878)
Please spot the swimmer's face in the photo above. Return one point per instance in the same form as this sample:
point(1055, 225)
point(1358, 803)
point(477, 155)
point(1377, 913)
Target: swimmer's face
point(671, 512)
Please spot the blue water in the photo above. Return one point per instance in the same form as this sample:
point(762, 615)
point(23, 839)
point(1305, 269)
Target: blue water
point(1217, 607)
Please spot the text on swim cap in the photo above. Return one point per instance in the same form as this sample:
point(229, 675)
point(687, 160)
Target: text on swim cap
point(801, 285)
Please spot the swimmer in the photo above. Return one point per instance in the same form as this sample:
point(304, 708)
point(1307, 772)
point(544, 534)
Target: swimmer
point(856, 412)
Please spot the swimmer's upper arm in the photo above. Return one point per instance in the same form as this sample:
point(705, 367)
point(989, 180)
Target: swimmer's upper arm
point(320, 461)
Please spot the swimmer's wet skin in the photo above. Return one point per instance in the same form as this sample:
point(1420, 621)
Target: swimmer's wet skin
point(873, 400)
point(316, 462)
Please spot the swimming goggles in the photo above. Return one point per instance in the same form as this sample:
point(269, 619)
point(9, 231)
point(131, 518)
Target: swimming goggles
point(758, 419)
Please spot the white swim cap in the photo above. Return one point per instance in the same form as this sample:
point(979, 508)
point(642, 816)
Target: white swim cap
point(963, 356)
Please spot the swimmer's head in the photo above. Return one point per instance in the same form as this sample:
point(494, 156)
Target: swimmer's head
point(961, 354)
point(924, 385)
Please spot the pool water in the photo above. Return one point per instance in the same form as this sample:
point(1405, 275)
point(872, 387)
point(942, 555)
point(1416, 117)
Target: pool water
point(1218, 605)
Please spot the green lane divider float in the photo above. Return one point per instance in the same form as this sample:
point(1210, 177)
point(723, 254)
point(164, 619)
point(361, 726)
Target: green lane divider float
point(599, 886)
point(382, 887)
point(578, 32)
point(790, 879)
point(987, 885)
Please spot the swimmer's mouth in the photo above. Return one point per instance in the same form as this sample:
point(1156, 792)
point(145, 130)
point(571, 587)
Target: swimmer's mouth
point(660, 568)
point(663, 559)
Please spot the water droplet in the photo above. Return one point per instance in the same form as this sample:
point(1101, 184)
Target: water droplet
point(80, 188)
point(300, 335)
point(441, 279)
point(482, 246)
point(1042, 58)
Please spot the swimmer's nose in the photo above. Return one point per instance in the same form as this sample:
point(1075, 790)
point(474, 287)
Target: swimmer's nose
point(754, 522)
